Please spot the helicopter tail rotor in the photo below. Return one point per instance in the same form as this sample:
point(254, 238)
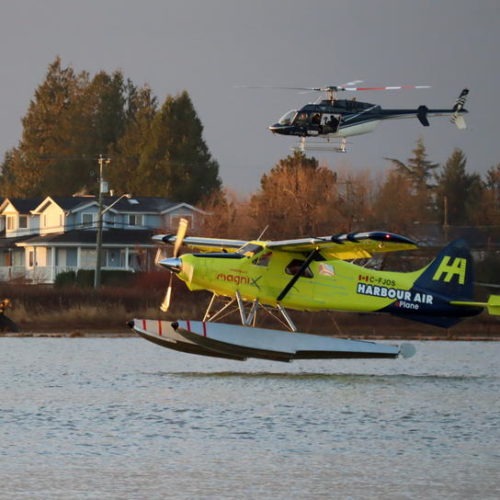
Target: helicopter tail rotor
point(457, 117)
point(179, 238)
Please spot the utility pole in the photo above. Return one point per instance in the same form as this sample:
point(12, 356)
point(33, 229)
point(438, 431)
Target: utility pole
point(97, 275)
point(445, 221)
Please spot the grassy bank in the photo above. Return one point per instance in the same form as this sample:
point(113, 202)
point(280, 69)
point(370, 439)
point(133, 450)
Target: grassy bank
point(73, 310)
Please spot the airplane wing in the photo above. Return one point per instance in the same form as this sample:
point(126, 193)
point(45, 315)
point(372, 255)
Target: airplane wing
point(347, 246)
point(203, 244)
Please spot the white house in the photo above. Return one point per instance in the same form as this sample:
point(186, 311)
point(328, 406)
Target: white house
point(46, 237)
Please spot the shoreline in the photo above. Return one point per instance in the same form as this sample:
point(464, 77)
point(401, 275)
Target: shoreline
point(446, 336)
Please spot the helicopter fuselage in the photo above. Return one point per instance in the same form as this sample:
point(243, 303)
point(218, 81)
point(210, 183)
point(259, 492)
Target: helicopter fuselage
point(344, 118)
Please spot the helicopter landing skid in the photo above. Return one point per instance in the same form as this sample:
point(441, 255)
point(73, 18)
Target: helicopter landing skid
point(321, 145)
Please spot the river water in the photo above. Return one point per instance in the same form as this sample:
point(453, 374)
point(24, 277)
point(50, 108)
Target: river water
point(126, 419)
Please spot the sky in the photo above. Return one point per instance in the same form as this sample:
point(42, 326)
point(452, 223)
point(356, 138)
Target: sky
point(212, 48)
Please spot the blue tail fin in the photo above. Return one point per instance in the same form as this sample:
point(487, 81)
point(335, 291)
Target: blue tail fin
point(449, 277)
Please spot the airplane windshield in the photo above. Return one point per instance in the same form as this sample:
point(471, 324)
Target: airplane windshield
point(250, 249)
point(287, 118)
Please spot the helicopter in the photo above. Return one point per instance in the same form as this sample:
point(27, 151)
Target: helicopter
point(307, 274)
point(331, 118)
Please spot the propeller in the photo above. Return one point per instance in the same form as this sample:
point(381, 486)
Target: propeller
point(179, 238)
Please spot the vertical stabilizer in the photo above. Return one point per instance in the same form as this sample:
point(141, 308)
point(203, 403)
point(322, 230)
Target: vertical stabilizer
point(439, 289)
point(450, 274)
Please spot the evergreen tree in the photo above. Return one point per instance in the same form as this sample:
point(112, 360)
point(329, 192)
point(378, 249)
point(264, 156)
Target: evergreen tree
point(458, 193)
point(70, 121)
point(127, 171)
point(490, 203)
point(73, 119)
point(391, 207)
point(420, 172)
point(104, 110)
point(193, 172)
point(38, 165)
point(176, 162)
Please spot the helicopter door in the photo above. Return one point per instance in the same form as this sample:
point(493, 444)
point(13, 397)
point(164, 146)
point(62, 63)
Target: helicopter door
point(330, 123)
point(314, 126)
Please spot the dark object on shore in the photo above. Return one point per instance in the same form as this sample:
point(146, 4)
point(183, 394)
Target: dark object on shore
point(6, 324)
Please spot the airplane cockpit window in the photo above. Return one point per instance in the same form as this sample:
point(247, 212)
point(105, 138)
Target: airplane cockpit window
point(288, 117)
point(250, 249)
point(263, 259)
point(294, 267)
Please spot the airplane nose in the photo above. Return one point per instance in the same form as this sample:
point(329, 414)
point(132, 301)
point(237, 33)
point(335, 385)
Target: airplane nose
point(172, 263)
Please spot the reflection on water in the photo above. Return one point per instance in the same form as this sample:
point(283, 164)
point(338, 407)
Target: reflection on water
point(123, 418)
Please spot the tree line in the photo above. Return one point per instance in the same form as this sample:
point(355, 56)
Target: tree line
point(300, 197)
point(73, 118)
point(159, 150)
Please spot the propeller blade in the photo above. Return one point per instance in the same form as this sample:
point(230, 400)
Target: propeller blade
point(166, 301)
point(181, 234)
point(160, 255)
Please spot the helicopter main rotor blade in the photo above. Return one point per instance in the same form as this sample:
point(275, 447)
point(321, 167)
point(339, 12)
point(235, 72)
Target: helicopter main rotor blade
point(393, 87)
point(336, 88)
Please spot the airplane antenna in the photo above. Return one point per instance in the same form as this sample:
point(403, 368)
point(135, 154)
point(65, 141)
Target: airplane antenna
point(262, 233)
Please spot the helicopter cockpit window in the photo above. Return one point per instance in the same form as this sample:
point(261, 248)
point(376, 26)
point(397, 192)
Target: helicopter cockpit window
point(294, 267)
point(302, 118)
point(287, 118)
point(250, 249)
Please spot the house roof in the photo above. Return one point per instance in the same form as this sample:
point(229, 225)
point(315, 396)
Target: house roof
point(22, 205)
point(65, 202)
point(135, 204)
point(110, 237)
point(12, 242)
point(144, 204)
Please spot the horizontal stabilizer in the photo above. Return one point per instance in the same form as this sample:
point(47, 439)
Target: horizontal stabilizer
point(493, 304)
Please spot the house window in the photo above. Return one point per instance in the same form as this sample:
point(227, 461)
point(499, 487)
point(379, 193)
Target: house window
point(10, 222)
point(87, 220)
point(134, 220)
point(23, 222)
